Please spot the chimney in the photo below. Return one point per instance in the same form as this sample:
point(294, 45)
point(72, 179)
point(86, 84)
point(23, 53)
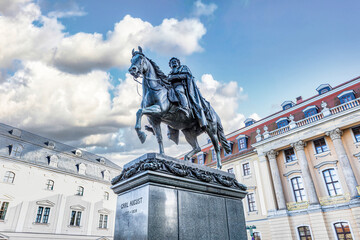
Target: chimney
point(299, 100)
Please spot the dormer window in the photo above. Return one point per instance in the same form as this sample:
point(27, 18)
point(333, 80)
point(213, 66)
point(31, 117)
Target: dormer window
point(81, 168)
point(249, 121)
point(213, 154)
point(15, 132)
point(282, 122)
point(50, 144)
point(78, 153)
point(346, 96)
point(16, 150)
point(287, 104)
point(101, 160)
point(106, 175)
point(231, 148)
point(310, 110)
point(201, 158)
point(242, 142)
point(323, 88)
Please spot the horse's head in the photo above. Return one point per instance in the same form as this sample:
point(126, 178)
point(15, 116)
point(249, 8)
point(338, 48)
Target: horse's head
point(137, 63)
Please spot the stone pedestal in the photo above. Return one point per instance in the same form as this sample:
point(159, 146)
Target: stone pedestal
point(160, 197)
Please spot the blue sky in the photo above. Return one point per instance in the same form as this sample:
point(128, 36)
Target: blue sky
point(252, 55)
point(275, 50)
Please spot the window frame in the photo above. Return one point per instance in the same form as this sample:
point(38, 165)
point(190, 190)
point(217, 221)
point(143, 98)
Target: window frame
point(103, 221)
point(49, 186)
point(298, 234)
point(7, 177)
point(356, 137)
point(201, 156)
point(42, 217)
point(242, 141)
point(322, 151)
point(75, 219)
point(3, 210)
point(310, 111)
point(342, 221)
point(282, 122)
point(16, 150)
point(302, 196)
point(213, 154)
point(246, 171)
point(343, 97)
point(251, 204)
point(285, 159)
point(80, 191)
point(106, 196)
point(231, 170)
point(326, 184)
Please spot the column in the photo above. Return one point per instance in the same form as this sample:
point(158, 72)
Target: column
point(351, 182)
point(267, 183)
point(308, 181)
point(279, 193)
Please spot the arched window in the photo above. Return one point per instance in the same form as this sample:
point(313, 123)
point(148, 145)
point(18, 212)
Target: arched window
point(298, 189)
point(346, 96)
point(342, 230)
point(9, 177)
point(106, 196)
point(304, 233)
point(332, 182)
point(80, 191)
point(282, 122)
point(50, 184)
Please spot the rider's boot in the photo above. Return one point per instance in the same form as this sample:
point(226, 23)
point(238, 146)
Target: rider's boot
point(184, 107)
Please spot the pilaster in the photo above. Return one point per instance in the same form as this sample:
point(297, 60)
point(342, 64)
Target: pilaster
point(299, 147)
point(279, 192)
point(351, 182)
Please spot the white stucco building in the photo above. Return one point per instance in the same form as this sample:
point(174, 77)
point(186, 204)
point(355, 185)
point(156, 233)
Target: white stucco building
point(49, 190)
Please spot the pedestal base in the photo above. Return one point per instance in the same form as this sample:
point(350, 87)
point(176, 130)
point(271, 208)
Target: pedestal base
point(164, 198)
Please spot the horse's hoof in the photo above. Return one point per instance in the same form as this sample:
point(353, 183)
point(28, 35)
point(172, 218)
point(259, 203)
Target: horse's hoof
point(142, 136)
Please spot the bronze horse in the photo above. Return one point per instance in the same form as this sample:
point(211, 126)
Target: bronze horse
point(158, 108)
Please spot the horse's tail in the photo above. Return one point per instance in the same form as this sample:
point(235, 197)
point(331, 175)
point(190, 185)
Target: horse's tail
point(221, 136)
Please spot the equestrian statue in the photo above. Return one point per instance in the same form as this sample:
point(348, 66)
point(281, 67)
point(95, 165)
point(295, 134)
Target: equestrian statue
point(176, 101)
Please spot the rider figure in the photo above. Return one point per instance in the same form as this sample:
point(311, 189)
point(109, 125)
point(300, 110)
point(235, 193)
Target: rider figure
point(187, 92)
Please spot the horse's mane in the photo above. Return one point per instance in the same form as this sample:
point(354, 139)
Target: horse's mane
point(158, 72)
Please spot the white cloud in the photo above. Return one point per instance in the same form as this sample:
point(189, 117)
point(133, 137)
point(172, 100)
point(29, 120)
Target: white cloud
point(225, 99)
point(202, 9)
point(83, 51)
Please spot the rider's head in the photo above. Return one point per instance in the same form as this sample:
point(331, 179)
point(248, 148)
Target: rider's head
point(174, 62)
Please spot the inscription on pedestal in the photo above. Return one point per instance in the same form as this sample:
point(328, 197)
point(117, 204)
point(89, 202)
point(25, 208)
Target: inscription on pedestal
point(132, 215)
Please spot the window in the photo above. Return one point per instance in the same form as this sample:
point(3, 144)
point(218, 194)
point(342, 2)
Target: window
point(103, 221)
point(320, 145)
point(251, 202)
point(324, 90)
point(282, 122)
point(75, 218)
point(50, 185)
point(342, 230)
point(80, 191)
point(3, 209)
point(256, 236)
point(310, 112)
point(304, 233)
point(332, 182)
point(356, 132)
point(230, 170)
point(42, 215)
point(246, 169)
point(106, 196)
point(9, 177)
point(346, 96)
point(213, 155)
point(298, 189)
point(242, 143)
point(289, 155)
point(249, 121)
point(16, 150)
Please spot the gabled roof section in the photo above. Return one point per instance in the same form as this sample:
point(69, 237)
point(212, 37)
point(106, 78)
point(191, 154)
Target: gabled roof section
point(287, 102)
point(322, 86)
point(310, 107)
point(345, 92)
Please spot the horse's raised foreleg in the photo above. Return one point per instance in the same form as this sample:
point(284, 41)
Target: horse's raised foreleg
point(154, 109)
point(191, 138)
point(211, 131)
point(157, 129)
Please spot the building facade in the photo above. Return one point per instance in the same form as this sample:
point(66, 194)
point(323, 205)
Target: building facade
point(49, 190)
point(301, 166)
